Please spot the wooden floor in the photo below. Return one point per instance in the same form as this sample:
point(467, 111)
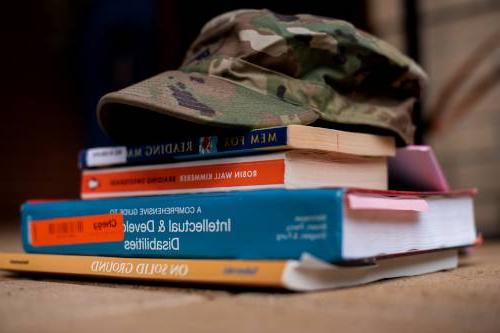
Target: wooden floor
point(463, 300)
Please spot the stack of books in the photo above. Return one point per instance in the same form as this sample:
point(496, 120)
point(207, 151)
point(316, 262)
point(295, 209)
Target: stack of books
point(296, 207)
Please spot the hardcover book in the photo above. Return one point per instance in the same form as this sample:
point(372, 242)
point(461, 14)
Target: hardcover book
point(248, 142)
point(290, 169)
point(305, 274)
point(334, 225)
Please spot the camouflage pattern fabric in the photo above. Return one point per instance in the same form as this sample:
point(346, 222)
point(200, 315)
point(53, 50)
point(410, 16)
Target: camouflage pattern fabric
point(256, 68)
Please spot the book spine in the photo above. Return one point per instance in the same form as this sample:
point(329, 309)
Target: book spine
point(236, 272)
point(190, 149)
point(260, 224)
point(184, 177)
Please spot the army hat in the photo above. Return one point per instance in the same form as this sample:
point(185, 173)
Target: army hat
point(256, 68)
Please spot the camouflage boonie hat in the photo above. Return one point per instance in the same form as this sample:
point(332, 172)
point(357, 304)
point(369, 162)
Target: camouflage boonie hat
point(256, 68)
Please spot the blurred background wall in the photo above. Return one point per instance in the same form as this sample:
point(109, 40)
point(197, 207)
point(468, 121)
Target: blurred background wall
point(460, 50)
point(58, 57)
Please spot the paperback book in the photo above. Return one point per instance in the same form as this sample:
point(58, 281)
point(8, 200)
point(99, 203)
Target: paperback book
point(305, 274)
point(290, 169)
point(243, 143)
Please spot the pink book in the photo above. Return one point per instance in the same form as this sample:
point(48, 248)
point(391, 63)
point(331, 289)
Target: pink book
point(416, 168)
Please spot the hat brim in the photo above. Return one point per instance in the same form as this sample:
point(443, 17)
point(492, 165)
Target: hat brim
point(175, 103)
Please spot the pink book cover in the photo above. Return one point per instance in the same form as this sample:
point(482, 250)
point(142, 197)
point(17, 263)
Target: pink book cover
point(416, 168)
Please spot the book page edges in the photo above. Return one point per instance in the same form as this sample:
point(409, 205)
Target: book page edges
point(311, 274)
point(342, 142)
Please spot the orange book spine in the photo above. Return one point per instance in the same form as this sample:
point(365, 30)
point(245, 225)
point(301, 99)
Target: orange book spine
point(175, 178)
point(236, 272)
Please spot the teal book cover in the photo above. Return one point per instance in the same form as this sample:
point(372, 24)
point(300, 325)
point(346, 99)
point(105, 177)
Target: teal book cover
point(260, 224)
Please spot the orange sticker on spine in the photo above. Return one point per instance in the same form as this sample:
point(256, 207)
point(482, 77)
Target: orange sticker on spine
point(77, 230)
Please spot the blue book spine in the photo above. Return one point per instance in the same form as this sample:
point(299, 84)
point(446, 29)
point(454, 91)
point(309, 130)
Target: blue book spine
point(260, 224)
point(192, 148)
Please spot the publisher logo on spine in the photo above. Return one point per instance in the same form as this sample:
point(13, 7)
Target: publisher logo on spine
point(93, 184)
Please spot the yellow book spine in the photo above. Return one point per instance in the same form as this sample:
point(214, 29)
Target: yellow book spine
point(235, 272)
